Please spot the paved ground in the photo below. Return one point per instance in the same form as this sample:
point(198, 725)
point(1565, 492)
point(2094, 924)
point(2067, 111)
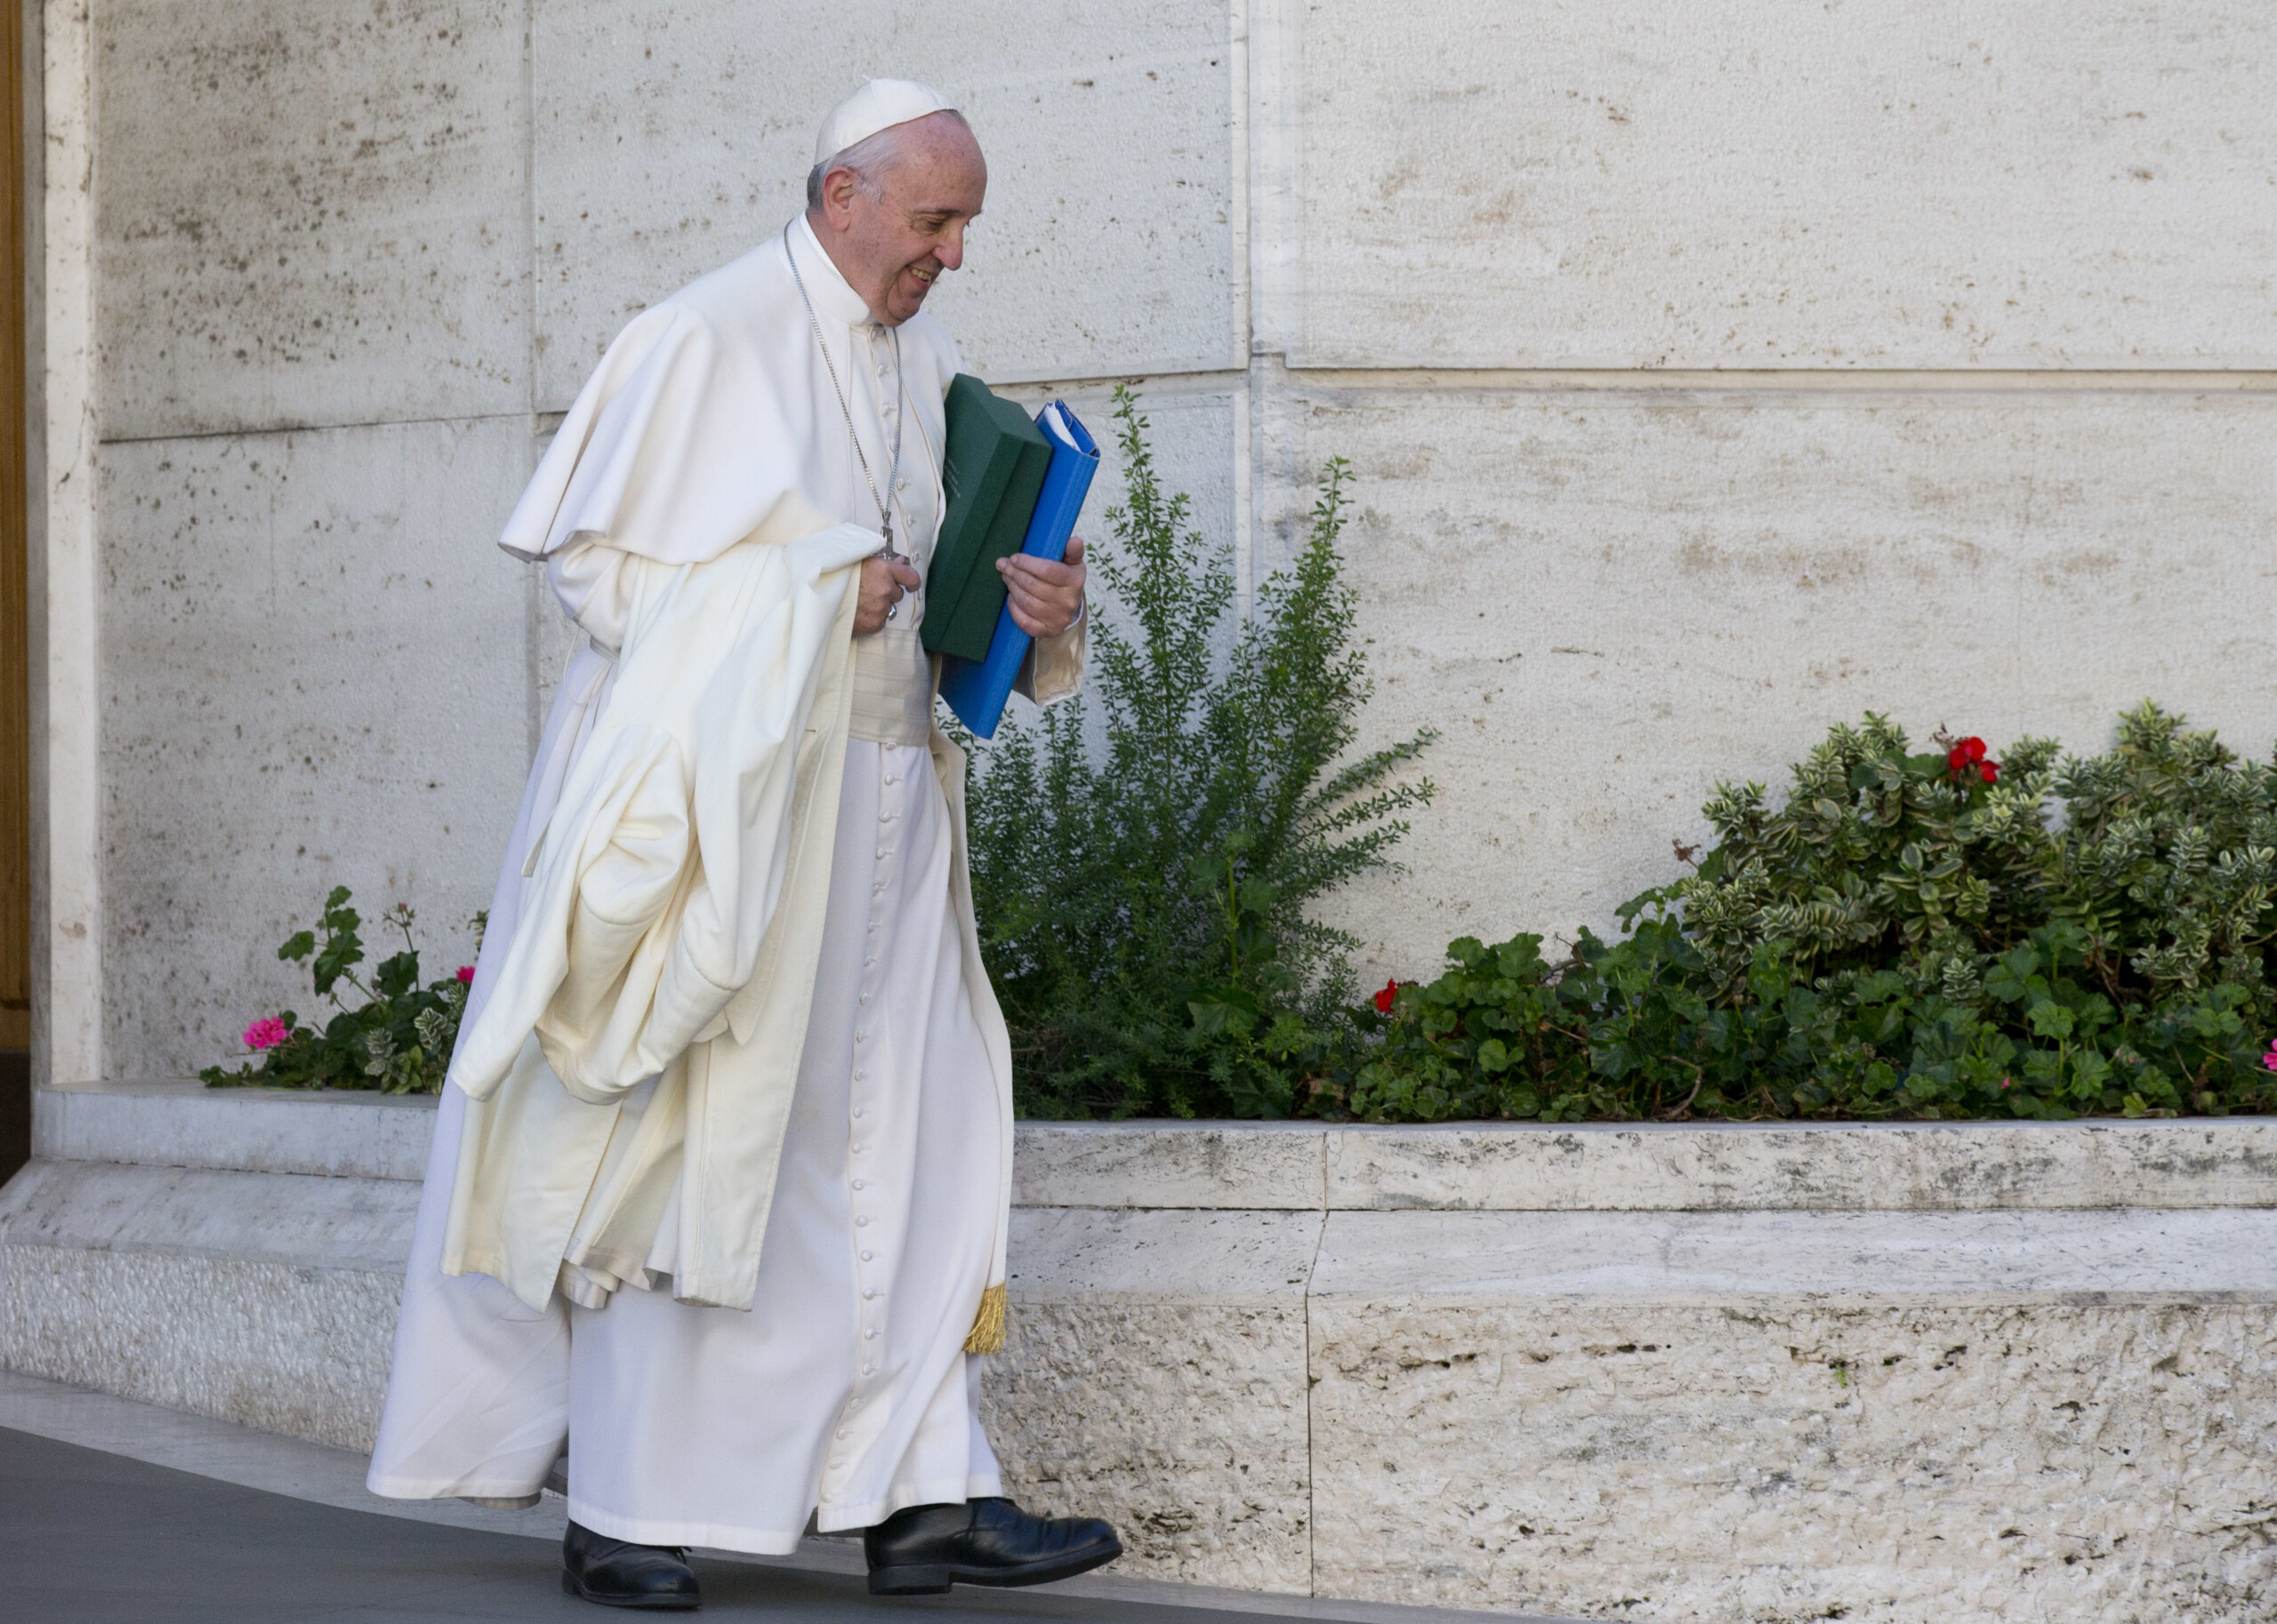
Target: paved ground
point(98, 1537)
point(113, 1509)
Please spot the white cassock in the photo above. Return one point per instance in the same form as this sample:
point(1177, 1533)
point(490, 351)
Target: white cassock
point(844, 1394)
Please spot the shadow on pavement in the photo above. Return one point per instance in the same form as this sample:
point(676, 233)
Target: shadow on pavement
point(103, 1540)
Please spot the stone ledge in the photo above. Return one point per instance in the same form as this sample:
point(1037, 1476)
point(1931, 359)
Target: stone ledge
point(2198, 1162)
point(335, 1134)
point(1754, 1257)
point(1239, 1259)
point(1919, 1167)
point(1517, 1167)
point(1058, 1253)
point(286, 1218)
point(1254, 1165)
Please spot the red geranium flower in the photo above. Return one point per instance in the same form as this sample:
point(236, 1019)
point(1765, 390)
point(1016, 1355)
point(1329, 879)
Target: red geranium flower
point(466, 972)
point(1390, 991)
point(1967, 756)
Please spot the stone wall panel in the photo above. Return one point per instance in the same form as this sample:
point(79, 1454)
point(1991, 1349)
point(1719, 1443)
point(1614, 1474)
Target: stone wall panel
point(1775, 1461)
point(268, 1299)
point(1607, 603)
point(1155, 1374)
point(1190, 435)
point(302, 1352)
point(673, 138)
point(1881, 183)
point(309, 213)
point(1183, 1424)
point(1922, 1167)
point(315, 676)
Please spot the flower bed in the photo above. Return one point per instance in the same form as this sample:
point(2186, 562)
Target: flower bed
point(399, 1040)
point(1910, 935)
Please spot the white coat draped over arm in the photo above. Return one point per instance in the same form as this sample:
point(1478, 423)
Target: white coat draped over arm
point(667, 881)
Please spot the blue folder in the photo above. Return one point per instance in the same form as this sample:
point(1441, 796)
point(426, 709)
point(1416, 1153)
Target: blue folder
point(976, 689)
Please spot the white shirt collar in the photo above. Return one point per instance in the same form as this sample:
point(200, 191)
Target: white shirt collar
point(834, 297)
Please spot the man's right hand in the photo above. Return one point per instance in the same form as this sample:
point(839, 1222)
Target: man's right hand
point(885, 581)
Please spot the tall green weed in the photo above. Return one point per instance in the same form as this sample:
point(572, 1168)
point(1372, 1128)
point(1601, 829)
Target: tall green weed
point(1144, 911)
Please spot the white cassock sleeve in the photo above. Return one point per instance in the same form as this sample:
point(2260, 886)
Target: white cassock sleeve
point(1054, 668)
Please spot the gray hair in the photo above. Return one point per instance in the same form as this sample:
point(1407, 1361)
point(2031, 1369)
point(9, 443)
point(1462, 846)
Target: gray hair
point(868, 158)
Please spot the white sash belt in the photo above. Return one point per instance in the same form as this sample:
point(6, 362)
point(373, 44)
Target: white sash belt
point(893, 689)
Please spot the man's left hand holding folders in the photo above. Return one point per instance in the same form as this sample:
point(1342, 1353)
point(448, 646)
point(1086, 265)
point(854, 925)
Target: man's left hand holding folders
point(1047, 598)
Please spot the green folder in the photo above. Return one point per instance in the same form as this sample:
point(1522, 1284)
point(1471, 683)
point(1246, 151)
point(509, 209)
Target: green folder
point(991, 474)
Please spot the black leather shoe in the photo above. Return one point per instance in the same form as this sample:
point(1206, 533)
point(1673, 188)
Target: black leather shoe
point(923, 1549)
point(616, 1574)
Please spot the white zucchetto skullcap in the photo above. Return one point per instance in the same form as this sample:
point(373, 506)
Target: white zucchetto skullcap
point(878, 105)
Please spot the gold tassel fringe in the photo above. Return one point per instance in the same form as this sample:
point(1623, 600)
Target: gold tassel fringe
point(987, 1333)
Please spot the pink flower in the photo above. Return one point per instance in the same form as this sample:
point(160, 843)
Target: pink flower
point(266, 1033)
point(466, 972)
point(2270, 1059)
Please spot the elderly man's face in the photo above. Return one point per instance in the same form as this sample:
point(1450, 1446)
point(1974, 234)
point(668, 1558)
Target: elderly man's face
point(892, 246)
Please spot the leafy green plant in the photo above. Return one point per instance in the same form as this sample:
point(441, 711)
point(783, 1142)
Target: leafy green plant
point(1143, 914)
point(398, 1041)
point(1912, 934)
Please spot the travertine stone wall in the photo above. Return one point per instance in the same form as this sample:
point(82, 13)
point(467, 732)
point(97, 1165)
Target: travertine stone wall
point(1892, 183)
point(266, 1299)
point(1664, 588)
point(1711, 374)
point(1594, 1373)
point(1791, 1460)
point(1128, 1316)
point(674, 137)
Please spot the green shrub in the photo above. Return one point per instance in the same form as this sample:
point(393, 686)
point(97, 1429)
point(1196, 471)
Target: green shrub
point(1144, 916)
point(398, 1041)
point(1910, 935)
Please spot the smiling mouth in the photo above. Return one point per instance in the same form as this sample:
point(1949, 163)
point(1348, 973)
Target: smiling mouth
point(923, 276)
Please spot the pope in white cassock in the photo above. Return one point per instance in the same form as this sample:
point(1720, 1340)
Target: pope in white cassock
point(719, 1190)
